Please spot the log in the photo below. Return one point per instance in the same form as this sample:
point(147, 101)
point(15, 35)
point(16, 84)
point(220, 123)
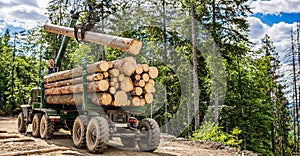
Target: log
point(145, 77)
point(153, 72)
point(148, 97)
point(114, 79)
point(120, 98)
point(116, 85)
point(103, 85)
point(137, 91)
point(111, 65)
point(95, 86)
point(126, 65)
point(112, 90)
point(114, 72)
point(102, 99)
point(151, 81)
point(93, 77)
point(137, 77)
point(149, 88)
point(139, 69)
point(97, 67)
point(127, 84)
point(136, 101)
point(140, 83)
point(72, 99)
point(145, 68)
point(105, 74)
point(124, 44)
point(111, 83)
point(121, 77)
point(143, 102)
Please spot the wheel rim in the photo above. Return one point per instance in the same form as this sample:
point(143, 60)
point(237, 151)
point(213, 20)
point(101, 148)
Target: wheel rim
point(19, 123)
point(34, 126)
point(144, 131)
point(43, 127)
point(93, 135)
point(78, 132)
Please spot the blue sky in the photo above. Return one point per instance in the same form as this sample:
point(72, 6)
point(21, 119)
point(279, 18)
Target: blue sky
point(271, 19)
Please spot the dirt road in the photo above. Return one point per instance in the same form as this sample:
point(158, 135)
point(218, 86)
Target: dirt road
point(13, 143)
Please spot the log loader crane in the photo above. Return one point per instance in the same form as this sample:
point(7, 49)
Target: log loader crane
point(91, 126)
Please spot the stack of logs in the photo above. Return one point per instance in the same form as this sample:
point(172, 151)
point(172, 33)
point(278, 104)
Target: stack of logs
point(117, 83)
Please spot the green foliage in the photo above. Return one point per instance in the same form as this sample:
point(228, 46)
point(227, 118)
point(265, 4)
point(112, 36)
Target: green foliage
point(213, 132)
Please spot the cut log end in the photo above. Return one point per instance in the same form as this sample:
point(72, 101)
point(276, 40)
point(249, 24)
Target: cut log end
point(153, 72)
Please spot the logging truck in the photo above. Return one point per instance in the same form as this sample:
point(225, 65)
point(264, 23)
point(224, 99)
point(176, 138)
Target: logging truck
point(96, 102)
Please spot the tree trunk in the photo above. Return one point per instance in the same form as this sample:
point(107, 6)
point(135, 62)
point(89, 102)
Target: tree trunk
point(195, 72)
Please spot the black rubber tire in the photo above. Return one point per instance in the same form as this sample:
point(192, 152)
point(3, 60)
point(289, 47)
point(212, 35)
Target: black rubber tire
point(150, 129)
point(97, 135)
point(36, 125)
point(46, 128)
point(79, 131)
point(21, 123)
point(128, 142)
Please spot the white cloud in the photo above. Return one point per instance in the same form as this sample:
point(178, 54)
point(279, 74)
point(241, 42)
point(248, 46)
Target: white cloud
point(275, 6)
point(280, 33)
point(22, 13)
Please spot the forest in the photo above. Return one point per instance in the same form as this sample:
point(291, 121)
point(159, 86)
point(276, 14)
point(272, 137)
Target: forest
point(212, 84)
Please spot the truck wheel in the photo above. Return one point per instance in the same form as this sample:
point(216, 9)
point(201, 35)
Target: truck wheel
point(79, 131)
point(128, 141)
point(97, 135)
point(46, 128)
point(21, 123)
point(36, 125)
point(150, 132)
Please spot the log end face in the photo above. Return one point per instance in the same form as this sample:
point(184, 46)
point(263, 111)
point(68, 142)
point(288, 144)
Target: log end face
point(134, 47)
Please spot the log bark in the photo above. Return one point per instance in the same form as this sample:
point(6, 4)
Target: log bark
point(97, 67)
point(77, 99)
point(93, 77)
point(95, 86)
point(125, 44)
point(153, 72)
